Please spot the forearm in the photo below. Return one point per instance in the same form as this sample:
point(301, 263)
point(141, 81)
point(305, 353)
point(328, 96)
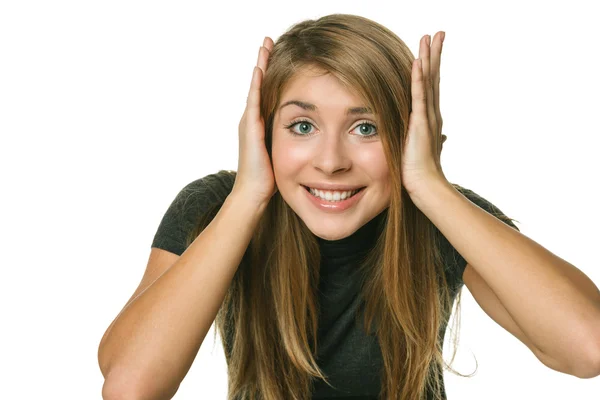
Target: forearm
point(555, 305)
point(157, 336)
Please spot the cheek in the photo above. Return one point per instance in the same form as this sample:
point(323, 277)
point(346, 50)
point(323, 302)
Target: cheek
point(288, 158)
point(373, 161)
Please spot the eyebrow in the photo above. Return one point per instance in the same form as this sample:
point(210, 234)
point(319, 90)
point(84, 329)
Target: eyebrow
point(312, 107)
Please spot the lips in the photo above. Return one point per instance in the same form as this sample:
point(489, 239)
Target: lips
point(354, 192)
point(329, 190)
point(335, 206)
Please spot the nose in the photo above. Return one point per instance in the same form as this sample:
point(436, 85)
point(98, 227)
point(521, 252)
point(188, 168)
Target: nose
point(332, 155)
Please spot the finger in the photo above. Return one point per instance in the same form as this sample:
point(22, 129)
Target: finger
point(264, 52)
point(424, 55)
point(268, 43)
point(253, 101)
point(263, 56)
point(419, 100)
point(436, 56)
point(261, 63)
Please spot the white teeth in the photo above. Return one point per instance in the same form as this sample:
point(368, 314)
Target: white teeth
point(332, 196)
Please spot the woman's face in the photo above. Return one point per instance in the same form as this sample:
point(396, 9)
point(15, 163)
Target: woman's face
point(333, 147)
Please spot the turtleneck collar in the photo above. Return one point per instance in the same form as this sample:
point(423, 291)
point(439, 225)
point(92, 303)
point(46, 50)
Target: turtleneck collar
point(355, 244)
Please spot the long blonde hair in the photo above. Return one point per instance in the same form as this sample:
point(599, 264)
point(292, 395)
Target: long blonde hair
point(268, 319)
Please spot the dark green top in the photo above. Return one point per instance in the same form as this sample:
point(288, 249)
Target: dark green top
point(349, 357)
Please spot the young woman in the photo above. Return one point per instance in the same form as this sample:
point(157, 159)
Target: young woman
point(332, 258)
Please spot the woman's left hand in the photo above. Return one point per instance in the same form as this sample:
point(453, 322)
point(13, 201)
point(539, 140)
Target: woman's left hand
point(421, 155)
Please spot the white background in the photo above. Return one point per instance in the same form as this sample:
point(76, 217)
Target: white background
point(107, 109)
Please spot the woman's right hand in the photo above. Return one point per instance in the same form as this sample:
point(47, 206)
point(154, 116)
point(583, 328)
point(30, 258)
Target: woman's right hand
point(255, 179)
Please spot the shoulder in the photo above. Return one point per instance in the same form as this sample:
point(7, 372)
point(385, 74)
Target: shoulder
point(199, 199)
point(203, 196)
point(454, 263)
point(210, 189)
point(486, 205)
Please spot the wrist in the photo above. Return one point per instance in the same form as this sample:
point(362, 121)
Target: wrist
point(241, 200)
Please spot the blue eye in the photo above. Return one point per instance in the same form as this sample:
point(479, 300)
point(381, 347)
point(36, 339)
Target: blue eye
point(304, 126)
point(367, 125)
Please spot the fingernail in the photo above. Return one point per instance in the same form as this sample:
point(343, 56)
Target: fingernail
point(443, 36)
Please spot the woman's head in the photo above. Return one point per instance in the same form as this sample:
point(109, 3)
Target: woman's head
point(324, 145)
point(269, 318)
point(328, 66)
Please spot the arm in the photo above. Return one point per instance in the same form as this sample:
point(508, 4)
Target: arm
point(553, 303)
point(151, 345)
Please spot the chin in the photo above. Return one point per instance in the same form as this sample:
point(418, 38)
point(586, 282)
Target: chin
point(329, 232)
point(332, 238)
point(327, 226)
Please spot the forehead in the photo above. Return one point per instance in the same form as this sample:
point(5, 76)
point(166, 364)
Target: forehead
point(316, 85)
point(306, 77)
point(309, 71)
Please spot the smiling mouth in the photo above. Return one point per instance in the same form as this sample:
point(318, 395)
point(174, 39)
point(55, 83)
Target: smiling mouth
point(355, 193)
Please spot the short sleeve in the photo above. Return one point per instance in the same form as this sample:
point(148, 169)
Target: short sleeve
point(455, 264)
point(194, 200)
